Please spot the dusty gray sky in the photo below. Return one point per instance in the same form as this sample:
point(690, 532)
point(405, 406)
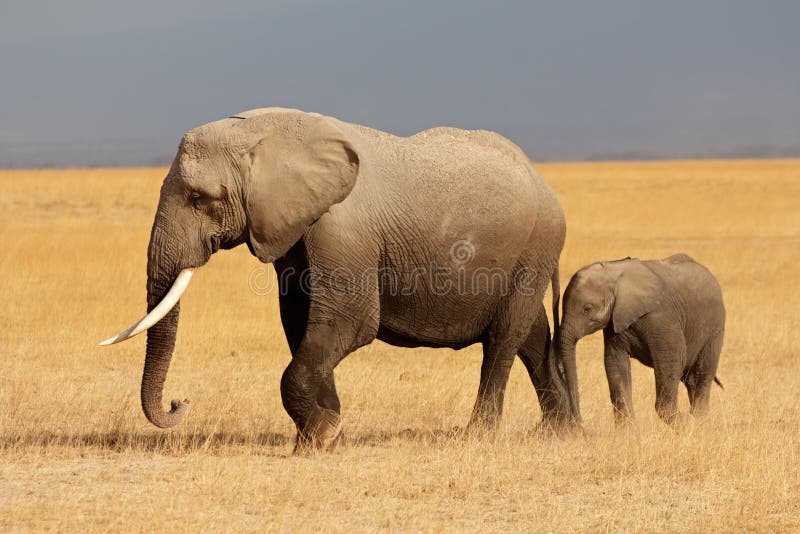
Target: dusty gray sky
point(98, 82)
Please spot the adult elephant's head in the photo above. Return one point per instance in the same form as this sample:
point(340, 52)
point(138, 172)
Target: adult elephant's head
point(262, 178)
point(611, 295)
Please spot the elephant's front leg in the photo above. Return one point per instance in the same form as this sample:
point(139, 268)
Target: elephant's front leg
point(310, 373)
point(326, 394)
point(309, 401)
point(308, 390)
point(317, 427)
point(618, 372)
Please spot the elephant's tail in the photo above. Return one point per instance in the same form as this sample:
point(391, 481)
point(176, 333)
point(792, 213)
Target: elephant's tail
point(719, 383)
point(555, 368)
point(554, 281)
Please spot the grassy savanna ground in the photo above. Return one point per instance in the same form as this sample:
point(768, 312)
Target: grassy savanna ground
point(77, 453)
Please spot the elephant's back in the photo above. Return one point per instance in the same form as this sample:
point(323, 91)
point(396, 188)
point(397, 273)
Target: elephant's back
point(698, 288)
point(450, 185)
point(445, 185)
point(470, 188)
point(474, 166)
point(690, 272)
point(447, 159)
point(493, 141)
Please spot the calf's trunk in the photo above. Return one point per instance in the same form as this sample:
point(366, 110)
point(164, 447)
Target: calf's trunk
point(566, 352)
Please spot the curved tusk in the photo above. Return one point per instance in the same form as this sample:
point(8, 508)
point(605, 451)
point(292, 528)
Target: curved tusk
point(156, 314)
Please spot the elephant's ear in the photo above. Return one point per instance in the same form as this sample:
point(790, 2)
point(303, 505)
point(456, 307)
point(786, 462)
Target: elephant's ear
point(293, 178)
point(638, 291)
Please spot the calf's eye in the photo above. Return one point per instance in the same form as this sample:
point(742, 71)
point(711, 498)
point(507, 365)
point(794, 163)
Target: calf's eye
point(196, 198)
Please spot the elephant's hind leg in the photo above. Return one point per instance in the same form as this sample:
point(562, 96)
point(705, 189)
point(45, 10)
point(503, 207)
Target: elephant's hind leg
point(502, 341)
point(498, 356)
point(668, 360)
point(701, 378)
point(533, 354)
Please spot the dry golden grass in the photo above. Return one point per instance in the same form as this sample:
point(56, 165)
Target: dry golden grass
point(77, 453)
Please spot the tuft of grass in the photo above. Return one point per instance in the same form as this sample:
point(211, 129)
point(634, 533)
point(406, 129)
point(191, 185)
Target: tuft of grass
point(76, 452)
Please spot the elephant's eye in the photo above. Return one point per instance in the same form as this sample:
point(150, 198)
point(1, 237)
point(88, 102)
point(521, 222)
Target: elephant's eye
point(587, 309)
point(194, 195)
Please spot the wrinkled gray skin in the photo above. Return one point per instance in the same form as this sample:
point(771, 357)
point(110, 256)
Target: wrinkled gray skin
point(668, 314)
point(355, 220)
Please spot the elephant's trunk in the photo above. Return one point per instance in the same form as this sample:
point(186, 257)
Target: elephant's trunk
point(161, 336)
point(561, 408)
point(566, 352)
point(160, 344)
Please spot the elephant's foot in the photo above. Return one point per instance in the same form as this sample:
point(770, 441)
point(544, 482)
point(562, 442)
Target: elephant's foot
point(671, 417)
point(683, 423)
point(482, 425)
point(322, 431)
point(551, 426)
point(559, 425)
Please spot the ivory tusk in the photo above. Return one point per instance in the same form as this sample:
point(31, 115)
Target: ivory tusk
point(156, 314)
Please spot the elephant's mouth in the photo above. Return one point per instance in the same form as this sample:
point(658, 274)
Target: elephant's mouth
point(214, 243)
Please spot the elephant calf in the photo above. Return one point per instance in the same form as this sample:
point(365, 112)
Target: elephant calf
point(668, 314)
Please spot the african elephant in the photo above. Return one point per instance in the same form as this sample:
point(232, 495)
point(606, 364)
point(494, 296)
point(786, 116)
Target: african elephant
point(668, 314)
point(442, 239)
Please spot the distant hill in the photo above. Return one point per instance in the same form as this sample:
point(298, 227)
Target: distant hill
point(158, 152)
point(106, 153)
point(746, 152)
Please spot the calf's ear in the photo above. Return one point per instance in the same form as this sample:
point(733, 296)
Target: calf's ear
point(638, 291)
